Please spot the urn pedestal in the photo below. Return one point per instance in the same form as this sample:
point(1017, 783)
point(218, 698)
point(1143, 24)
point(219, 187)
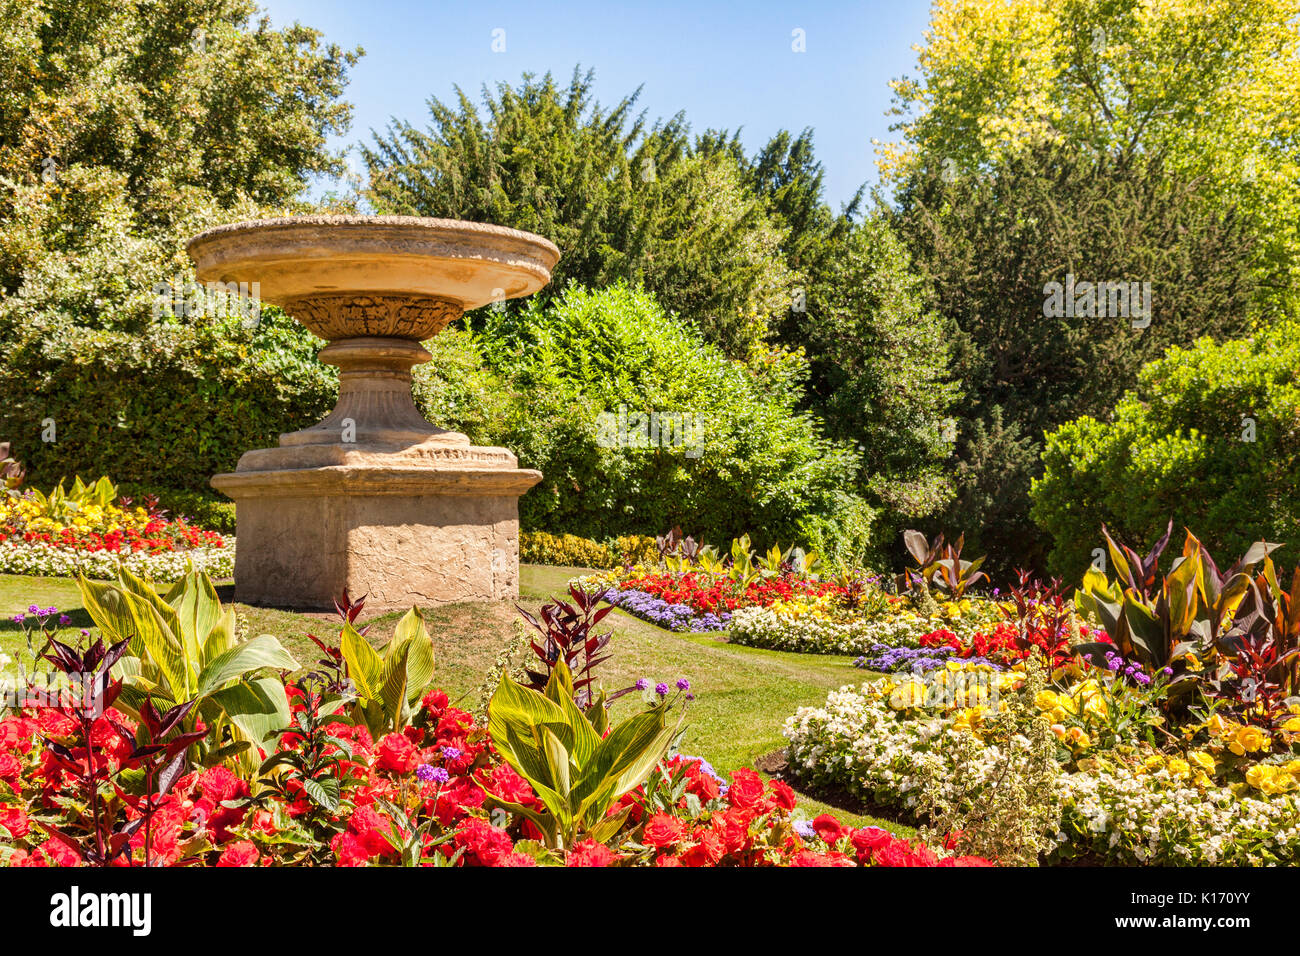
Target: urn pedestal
point(374, 498)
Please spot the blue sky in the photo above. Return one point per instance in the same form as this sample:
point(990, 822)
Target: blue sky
point(725, 64)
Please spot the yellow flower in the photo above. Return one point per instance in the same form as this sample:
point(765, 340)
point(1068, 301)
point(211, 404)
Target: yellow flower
point(1076, 736)
point(1202, 760)
point(1248, 740)
point(1219, 727)
point(907, 694)
point(969, 719)
point(1045, 700)
point(1270, 779)
point(1180, 768)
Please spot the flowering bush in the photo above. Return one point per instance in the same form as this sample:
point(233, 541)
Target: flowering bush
point(83, 530)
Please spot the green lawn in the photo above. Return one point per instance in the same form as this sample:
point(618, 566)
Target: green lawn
point(743, 695)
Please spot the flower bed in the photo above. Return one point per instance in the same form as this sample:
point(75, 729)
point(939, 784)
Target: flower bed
point(825, 625)
point(56, 562)
point(359, 778)
point(441, 771)
point(672, 617)
point(84, 531)
point(697, 600)
point(1125, 804)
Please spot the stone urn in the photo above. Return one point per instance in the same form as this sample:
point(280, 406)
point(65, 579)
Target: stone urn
point(374, 498)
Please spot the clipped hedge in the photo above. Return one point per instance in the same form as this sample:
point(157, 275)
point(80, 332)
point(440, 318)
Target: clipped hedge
point(570, 550)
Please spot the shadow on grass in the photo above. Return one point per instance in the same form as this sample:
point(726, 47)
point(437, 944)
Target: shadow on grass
point(77, 618)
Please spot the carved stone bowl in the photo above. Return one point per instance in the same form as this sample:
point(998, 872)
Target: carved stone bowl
point(375, 276)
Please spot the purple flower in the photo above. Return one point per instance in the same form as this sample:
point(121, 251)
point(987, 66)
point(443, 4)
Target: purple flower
point(34, 610)
point(451, 753)
point(18, 618)
point(64, 620)
point(683, 684)
point(643, 683)
point(428, 773)
point(661, 689)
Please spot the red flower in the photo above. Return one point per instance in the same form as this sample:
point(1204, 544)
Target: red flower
point(785, 797)
point(515, 859)
point(508, 785)
point(16, 734)
point(746, 788)
point(484, 844)
point(706, 852)
point(396, 754)
point(220, 784)
point(869, 839)
point(809, 858)
point(55, 853)
point(662, 831)
point(893, 854)
point(665, 859)
point(371, 829)
point(828, 828)
point(14, 819)
point(733, 826)
point(10, 767)
point(349, 850)
point(589, 853)
point(242, 853)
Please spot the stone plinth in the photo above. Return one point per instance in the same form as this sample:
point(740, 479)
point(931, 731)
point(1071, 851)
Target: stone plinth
point(434, 523)
point(374, 498)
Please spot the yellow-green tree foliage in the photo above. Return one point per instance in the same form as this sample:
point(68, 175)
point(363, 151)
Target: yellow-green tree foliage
point(1211, 86)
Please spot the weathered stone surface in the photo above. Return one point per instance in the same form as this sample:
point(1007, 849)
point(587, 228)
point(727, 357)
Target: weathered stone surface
point(374, 498)
point(398, 550)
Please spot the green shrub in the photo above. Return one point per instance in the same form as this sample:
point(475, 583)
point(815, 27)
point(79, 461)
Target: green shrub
point(166, 408)
point(1210, 438)
point(759, 464)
